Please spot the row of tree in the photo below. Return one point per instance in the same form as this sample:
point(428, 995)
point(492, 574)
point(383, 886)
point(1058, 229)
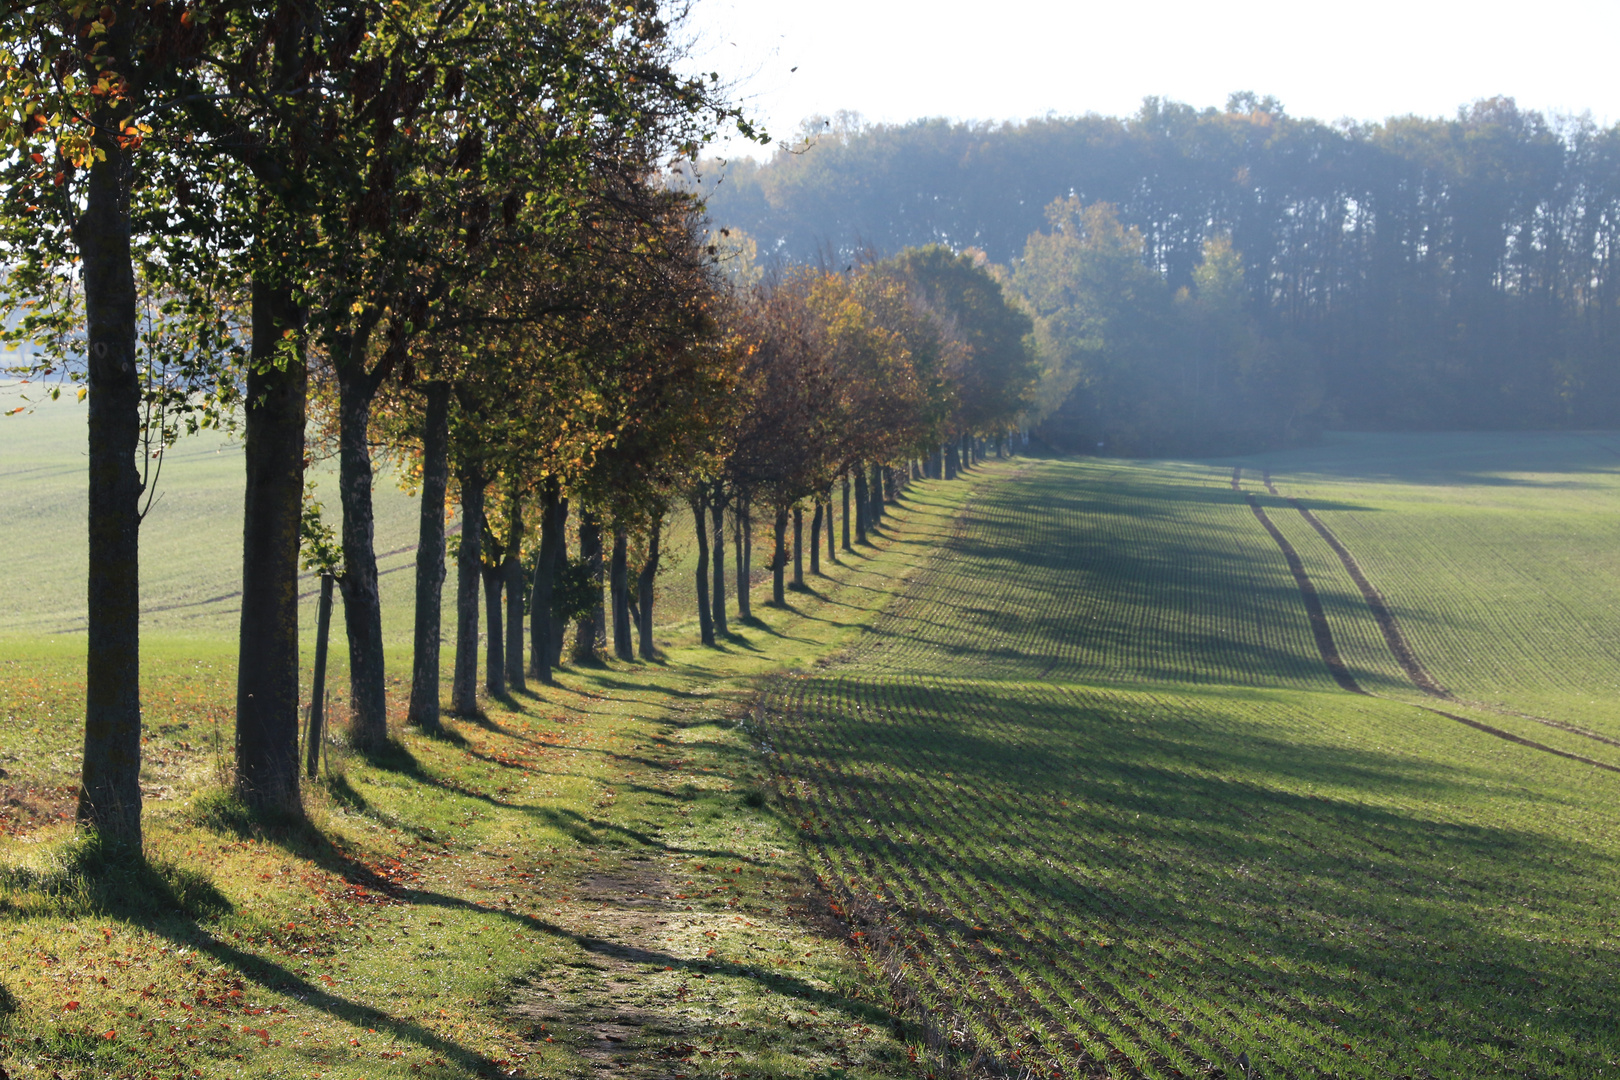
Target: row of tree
point(751, 401)
point(435, 228)
point(202, 198)
point(1418, 272)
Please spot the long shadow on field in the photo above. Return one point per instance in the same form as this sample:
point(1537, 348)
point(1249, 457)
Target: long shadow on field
point(1072, 573)
point(1231, 849)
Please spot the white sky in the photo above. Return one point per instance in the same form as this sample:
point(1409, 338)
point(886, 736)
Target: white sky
point(897, 60)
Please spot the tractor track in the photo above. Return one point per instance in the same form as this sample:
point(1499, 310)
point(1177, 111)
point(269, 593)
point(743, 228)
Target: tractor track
point(1307, 591)
point(1396, 640)
point(1387, 625)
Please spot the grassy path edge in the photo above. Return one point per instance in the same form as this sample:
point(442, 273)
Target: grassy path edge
point(587, 877)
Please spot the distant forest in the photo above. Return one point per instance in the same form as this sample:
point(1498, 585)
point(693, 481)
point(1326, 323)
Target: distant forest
point(1205, 279)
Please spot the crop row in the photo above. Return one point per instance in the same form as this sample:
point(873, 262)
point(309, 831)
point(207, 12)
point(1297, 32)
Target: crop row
point(1509, 590)
point(1091, 880)
point(1096, 876)
point(1118, 572)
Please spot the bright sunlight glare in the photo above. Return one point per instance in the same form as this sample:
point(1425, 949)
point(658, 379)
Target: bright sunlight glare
point(898, 60)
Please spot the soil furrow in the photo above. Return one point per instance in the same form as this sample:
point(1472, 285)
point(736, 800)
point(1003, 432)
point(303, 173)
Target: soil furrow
point(1387, 624)
point(1324, 642)
point(1402, 649)
point(1313, 602)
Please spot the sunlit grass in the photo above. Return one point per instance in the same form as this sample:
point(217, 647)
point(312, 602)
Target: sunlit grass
point(436, 916)
point(1092, 797)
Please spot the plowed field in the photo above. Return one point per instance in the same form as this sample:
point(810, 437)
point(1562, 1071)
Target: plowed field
point(1092, 801)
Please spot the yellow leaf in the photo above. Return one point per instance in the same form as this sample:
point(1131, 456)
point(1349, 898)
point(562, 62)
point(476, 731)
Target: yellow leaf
point(83, 390)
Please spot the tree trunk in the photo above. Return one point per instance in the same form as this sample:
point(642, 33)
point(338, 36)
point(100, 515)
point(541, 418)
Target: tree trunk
point(717, 599)
point(591, 625)
point(705, 619)
point(267, 682)
point(815, 541)
point(512, 581)
point(424, 708)
point(863, 505)
point(362, 606)
point(798, 548)
point(317, 689)
point(619, 580)
point(494, 636)
point(464, 677)
point(874, 491)
point(740, 541)
point(644, 588)
point(110, 784)
point(545, 574)
point(779, 559)
point(948, 452)
point(847, 545)
point(832, 544)
point(559, 624)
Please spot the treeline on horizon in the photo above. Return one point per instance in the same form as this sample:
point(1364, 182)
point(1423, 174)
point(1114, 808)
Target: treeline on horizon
point(1410, 274)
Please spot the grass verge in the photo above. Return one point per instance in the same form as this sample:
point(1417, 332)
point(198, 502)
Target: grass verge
point(588, 876)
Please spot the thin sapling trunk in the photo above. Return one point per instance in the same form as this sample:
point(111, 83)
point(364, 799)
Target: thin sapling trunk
point(494, 639)
point(863, 505)
point(591, 625)
point(739, 519)
point(847, 545)
point(317, 692)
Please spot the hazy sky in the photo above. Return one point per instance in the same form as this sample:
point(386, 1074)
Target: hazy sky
point(1012, 59)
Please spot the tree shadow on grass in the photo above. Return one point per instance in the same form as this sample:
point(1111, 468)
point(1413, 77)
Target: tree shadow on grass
point(1207, 826)
point(307, 843)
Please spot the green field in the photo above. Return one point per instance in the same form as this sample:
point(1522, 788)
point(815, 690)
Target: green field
point(191, 541)
point(574, 880)
point(1062, 787)
point(1094, 802)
